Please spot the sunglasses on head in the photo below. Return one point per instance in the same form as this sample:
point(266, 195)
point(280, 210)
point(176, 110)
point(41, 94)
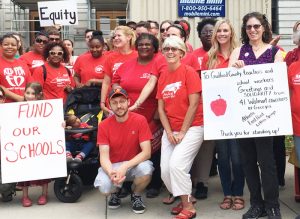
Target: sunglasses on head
point(167, 49)
point(255, 26)
point(53, 53)
point(39, 40)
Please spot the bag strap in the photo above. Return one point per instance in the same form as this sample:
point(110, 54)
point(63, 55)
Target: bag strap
point(274, 51)
point(45, 72)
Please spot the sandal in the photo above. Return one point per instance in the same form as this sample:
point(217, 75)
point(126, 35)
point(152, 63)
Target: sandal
point(26, 202)
point(185, 214)
point(178, 208)
point(42, 200)
point(238, 204)
point(170, 199)
point(226, 203)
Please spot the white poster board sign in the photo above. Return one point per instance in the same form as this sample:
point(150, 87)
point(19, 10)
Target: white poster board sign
point(249, 102)
point(32, 140)
point(58, 12)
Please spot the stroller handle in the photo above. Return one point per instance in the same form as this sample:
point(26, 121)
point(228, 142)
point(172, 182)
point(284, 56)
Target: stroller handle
point(80, 130)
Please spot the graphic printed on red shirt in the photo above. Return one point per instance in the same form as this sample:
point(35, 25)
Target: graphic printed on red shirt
point(87, 67)
point(200, 53)
point(174, 89)
point(115, 60)
point(56, 81)
point(294, 84)
point(33, 60)
point(14, 76)
point(133, 76)
point(123, 138)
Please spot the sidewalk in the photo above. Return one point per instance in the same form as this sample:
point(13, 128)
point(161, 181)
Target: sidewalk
point(92, 205)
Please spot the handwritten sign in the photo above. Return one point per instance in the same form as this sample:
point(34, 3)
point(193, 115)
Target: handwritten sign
point(249, 102)
point(58, 12)
point(32, 141)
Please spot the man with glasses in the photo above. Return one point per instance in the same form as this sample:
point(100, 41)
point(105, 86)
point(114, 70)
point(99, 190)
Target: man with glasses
point(54, 35)
point(34, 58)
point(154, 28)
point(124, 144)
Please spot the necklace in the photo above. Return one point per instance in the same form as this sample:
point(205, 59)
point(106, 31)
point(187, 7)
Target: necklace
point(257, 48)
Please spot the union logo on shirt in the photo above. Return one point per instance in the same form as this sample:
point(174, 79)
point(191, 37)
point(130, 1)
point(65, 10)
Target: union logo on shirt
point(37, 63)
point(145, 76)
point(296, 79)
point(170, 90)
point(61, 80)
point(98, 69)
point(116, 66)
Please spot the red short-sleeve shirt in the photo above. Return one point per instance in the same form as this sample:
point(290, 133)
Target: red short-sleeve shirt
point(174, 89)
point(123, 138)
point(33, 60)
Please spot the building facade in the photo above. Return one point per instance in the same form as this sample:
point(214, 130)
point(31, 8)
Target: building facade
point(22, 16)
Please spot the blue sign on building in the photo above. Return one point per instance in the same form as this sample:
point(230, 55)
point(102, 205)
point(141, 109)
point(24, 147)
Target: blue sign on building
point(201, 8)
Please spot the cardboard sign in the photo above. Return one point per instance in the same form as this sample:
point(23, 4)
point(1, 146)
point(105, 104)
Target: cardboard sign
point(58, 12)
point(32, 141)
point(249, 102)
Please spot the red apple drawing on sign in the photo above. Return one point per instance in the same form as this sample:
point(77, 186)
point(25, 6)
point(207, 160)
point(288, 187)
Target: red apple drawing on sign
point(218, 106)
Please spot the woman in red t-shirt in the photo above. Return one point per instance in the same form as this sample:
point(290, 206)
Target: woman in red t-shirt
point(55, 78)
point(181, 115)
point(123, 43)
point(14, 74)
point(132, 76)
point(93, 72)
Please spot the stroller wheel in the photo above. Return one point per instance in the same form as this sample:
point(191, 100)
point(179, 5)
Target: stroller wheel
point(68, 193)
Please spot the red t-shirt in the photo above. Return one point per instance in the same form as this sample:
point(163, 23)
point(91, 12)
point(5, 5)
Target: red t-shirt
point(115, 60)
point(123, 138)
point(88, 67)
point(33, 60)
point(221, 62)
point(14, 76)
point(56, 81)
point(133, 76)
point(174, 88)
point(161, 64)
point(294, 84)
point(200, 53)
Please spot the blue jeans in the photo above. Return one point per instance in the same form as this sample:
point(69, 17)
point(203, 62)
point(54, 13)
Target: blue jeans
point(229, 162)
point(84, 146)
point(297, 145)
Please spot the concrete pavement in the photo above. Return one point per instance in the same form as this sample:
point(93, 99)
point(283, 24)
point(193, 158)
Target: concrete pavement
point(92, 205)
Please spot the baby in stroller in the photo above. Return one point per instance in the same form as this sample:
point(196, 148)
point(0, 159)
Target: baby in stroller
point(78, 140)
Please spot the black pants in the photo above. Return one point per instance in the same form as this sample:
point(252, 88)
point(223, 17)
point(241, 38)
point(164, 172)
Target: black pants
point(279, 156)
point(156, 182)
point(254, 152)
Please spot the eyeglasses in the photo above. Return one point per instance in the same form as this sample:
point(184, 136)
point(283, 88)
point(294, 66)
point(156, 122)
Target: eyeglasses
point(162, 30)
point(255, 26)
point(53, 39)
point(167, 49)
point(206, 33)
point(39, 40)
point(53, 53)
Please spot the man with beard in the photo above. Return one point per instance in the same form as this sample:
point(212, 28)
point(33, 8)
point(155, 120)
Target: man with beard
point(124, 144)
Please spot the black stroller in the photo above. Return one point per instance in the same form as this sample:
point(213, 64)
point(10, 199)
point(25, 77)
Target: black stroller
point(85, 104)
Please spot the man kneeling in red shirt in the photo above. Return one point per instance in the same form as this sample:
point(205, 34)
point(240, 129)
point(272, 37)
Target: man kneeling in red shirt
point(124, 144)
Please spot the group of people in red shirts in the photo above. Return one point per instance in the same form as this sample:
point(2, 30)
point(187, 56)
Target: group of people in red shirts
point(159, 77)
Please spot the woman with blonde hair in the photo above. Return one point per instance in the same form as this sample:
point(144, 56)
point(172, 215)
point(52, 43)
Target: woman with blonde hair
point(182, 123)
point(229, 163)
point(123, 43)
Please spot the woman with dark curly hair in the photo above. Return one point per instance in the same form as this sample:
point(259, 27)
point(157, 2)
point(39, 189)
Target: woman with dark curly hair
point(55, 78)
point(257, 153)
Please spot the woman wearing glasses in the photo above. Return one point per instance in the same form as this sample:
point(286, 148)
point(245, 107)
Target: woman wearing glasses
point(54, 77)
point(182, 122)
point(34, 58)
point(256, 35)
